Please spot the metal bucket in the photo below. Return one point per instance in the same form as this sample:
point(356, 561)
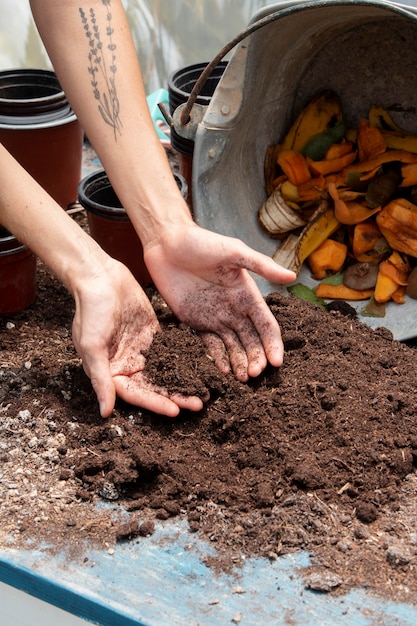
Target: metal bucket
point(365, 51)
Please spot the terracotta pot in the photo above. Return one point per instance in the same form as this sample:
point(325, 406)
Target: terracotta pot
point(180, 85)
point(17, 274)
point(39, 128)
point(110, 225)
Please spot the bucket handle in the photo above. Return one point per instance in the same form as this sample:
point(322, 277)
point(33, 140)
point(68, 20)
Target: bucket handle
point(184, 116)
point(208, 70)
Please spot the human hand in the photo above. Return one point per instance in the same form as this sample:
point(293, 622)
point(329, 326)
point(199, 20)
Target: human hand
point(203, 277)
point(113, 324)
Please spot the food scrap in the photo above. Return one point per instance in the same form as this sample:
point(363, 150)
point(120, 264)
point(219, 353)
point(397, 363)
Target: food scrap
point(344, 201)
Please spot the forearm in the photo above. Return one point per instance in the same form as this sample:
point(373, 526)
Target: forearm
point(90, 45)
point(36, 220)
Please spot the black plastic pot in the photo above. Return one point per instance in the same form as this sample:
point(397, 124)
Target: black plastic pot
point(17, 274)
point(182, 81)
point(110, 225)
point(180, 85)
point(39, 128)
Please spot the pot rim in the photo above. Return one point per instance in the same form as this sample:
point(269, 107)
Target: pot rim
point(187, 75)
point(96, 182)
point(16, 250)
point(40, 125)
point(60, 114)
point(99, 181)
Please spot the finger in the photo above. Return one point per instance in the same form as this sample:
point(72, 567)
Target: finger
point(103, 385)
point(217, 351)
point(148, 397)
point(144, 397)
point(265, 266)
point(252, 344)
point(237, 355)
point(269, 332)
point(189, 403)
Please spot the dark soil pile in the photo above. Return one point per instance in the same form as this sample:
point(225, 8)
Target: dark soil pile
point(318, 455)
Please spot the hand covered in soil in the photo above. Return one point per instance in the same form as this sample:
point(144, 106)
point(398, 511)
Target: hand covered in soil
point(113, 324)
point(203, 277)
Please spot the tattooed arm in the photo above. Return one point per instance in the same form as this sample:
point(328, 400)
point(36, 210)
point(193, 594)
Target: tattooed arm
point(90, 45)
point(203, 276)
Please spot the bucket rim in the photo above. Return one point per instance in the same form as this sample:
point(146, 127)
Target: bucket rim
point(285, 7)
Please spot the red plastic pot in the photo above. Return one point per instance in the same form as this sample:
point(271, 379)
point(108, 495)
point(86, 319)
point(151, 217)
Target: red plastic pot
point(17, 275)
point(110, 225)
point(39, 128)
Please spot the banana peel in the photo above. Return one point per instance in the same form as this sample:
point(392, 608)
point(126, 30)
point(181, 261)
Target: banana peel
point(395, 137)
point(394, 140)
point(322, 113)
point(400, 140)
point(320, 227)
point(277, 217)
point(286, 254)
point(290, 192)
point(318, 126)
point(380, 118)
point(372, 165)
point(295, 249)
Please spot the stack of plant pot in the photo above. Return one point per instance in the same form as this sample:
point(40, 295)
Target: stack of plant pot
point(38, 127)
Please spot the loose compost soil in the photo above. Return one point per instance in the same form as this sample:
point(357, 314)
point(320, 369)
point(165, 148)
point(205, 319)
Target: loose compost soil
point(316, 455)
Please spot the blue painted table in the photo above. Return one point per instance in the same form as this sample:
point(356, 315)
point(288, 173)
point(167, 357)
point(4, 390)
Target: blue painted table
point(162, 581)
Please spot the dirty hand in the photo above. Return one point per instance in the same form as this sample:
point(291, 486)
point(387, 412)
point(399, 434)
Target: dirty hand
point(114, 322)
point(203, 277)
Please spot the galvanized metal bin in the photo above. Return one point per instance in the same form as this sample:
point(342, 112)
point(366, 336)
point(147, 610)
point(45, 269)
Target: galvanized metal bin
point(365, 51)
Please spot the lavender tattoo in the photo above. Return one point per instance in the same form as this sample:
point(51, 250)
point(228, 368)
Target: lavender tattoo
point(108, 101)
